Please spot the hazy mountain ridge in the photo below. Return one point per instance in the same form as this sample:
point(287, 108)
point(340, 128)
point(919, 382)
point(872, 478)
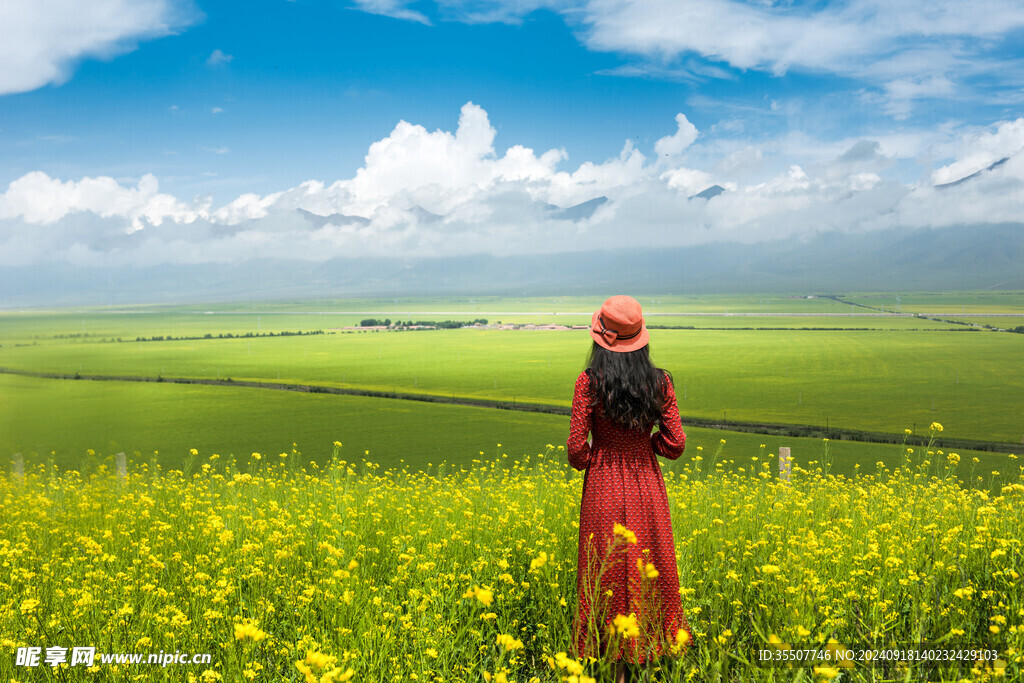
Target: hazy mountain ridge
point(962, 257)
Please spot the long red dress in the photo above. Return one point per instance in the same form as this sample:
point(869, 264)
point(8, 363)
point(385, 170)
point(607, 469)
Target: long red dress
point(623, 484)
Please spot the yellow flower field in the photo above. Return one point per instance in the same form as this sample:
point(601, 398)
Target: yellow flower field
point(283, 570)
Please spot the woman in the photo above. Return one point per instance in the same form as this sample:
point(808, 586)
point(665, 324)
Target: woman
point(627, 580)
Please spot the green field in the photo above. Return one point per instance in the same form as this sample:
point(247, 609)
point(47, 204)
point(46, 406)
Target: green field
point(65, 419)
point(869, 380)
point(129, 322)
point(892, 373)
point(943, 302)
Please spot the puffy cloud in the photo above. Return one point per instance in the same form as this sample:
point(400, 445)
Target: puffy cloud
point(442, 193)
point(673, 145)
point(436, 169)
point(38, 198)
point(979, 149)
point(43, 39)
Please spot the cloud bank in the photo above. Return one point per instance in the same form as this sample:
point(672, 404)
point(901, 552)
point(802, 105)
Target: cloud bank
point(440, 192)
point(903, 51)
point(44, 39)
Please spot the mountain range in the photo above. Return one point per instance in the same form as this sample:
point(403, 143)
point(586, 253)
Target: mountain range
point(954, 258)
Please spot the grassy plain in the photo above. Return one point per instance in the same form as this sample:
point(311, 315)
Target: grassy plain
point(871, 380)
point(901, 373)
point(65, 419)
point(943, 302)
point(129, 322)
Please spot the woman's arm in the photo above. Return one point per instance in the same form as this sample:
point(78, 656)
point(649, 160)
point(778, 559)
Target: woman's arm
point(579, 424)
point(670, 439)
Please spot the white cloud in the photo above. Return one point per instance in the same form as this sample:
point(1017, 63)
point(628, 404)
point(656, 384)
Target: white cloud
point(219, 58)
point(44, 39)
point(441, 193)
point(688, 181)
point(673, 145)
point(979, 149)
point(392, 8)
point(36, 198)
point(903, 51)
point(837, 38)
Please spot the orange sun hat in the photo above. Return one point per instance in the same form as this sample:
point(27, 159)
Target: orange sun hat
point(619, 325)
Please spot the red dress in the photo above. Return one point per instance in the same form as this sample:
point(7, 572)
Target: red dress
point(623, 484)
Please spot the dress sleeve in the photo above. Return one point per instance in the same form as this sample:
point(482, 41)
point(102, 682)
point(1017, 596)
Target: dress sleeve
point(579, 424)
point(670, 439)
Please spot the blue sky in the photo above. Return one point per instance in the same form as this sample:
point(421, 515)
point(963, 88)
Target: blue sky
point(151, 130)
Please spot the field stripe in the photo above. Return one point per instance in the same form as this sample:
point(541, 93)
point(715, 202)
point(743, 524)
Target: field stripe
point(737, 426)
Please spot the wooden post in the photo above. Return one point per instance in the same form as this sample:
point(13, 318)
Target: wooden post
point(122, 467)
point(18, 467)
point(785, 463)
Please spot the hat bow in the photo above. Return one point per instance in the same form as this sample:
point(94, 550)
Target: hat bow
point(609, 335)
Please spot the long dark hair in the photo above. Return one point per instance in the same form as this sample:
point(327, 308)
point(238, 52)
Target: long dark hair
point(627, 386)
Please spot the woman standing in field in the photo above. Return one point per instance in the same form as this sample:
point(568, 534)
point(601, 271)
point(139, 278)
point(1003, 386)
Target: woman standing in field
point(627, 580)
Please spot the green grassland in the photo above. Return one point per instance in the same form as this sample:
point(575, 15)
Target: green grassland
point(64, 419)
point(943, 302)
point(1000, 322)
point(869, 380)
point(887, 374)
point(129, 322)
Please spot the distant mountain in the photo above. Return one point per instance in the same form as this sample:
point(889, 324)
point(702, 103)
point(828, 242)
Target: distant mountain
point(335, 218)
point(712, 191)
point(578, 212)
point(960, 257)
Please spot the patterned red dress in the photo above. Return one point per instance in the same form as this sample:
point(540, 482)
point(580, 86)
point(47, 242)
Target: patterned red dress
point(623, 484)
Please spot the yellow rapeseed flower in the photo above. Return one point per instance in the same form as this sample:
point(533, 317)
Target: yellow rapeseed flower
point(573, 667)
point(627, 627)
point(248, 630)
point(539, 561)
point(624, 533)
point(508, 642)
point(647, 570)
point(682, 638)
point(485, 596)
point(826, 673)
point(319, 659)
